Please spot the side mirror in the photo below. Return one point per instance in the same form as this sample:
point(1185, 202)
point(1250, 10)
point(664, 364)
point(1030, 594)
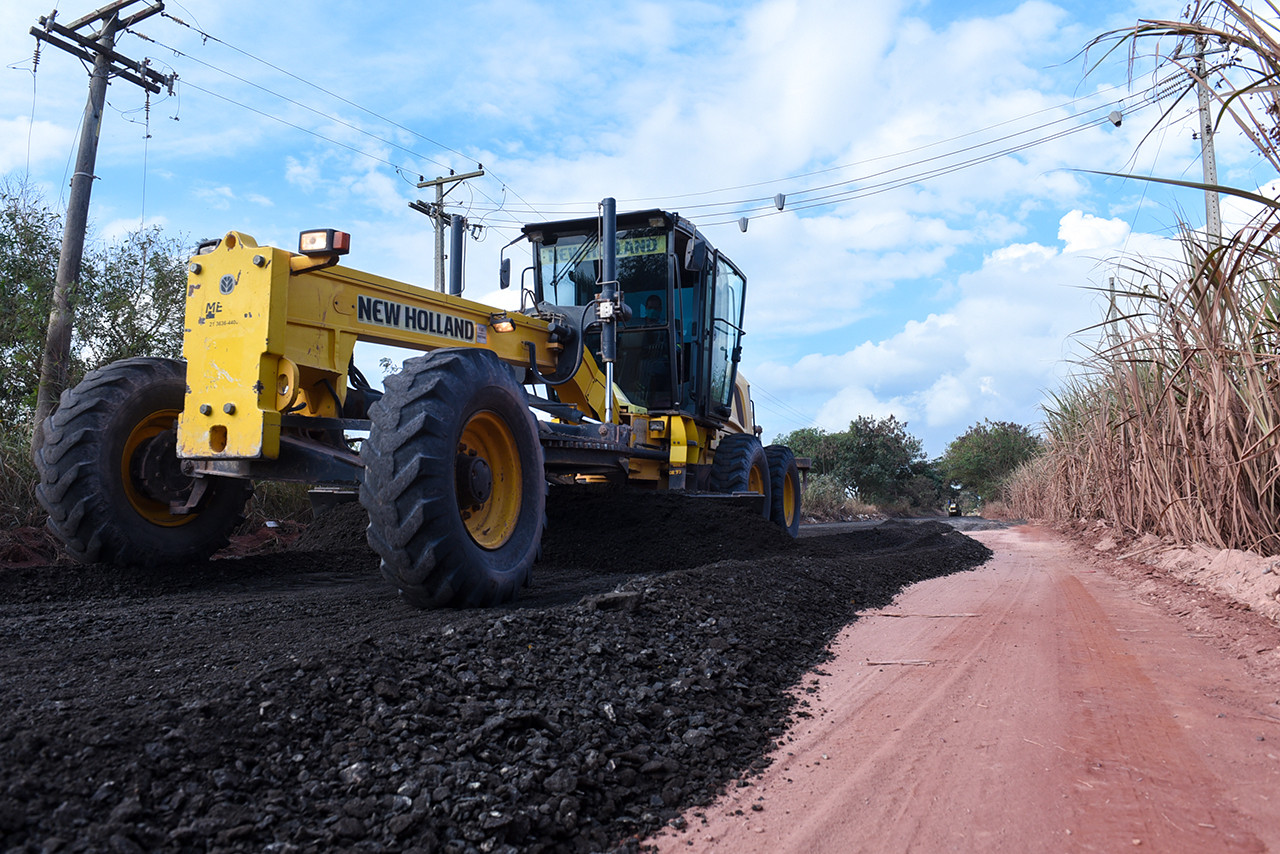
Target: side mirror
point(504, 274)
point(695, 255)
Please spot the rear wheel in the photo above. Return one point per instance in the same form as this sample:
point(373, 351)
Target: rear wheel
point(740, 466)
point(454, 481)
point(784, 485)
point(110, 474)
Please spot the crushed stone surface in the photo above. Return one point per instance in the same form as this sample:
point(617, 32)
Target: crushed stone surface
point(291, 701)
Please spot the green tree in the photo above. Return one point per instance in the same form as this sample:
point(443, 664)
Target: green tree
point(986, 454)
point(877, 460)
point(30, 236)
point(132, 299)
point(129, 300)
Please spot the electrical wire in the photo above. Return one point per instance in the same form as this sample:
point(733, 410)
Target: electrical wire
point(780, 407)
point(804, 198)
point(767, 204)
point(401, 170)
point(287, 99)
point(926, 146)
point(209, 37)
point(31, 122)
point(146, 149)
point(975, 147)
point(499, 206)
point(884, 186)
point(864, 190)
point(279, 120)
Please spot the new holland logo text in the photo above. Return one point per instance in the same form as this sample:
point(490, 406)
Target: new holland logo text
point(381, 312)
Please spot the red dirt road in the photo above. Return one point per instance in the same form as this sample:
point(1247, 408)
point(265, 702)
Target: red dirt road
point(1044, 702)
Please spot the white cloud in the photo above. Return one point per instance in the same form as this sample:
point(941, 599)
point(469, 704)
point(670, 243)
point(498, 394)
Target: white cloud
point(1025, 255)
point(992, 354)
point(23, 143)
point(118, 228)
point(854, 401)
point(305, 176)
point(218, 198)
point(1082, 232)
point(947, 400)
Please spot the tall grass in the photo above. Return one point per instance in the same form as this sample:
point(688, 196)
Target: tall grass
point(18, 479)
point(1172, 426)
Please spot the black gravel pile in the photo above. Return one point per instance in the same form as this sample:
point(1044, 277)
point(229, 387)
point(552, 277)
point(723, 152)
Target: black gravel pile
point(291, 702)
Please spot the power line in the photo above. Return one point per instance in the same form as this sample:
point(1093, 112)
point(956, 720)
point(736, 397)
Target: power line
point(287, 99)
point(209, 37)
point(1143, 94)
point(316, 134)
point(760, 204)
point(884, 186)
point(736, 204)
point(864, 190)
point(780, 407)
point(316, 86)
point(768, 205)
point(327, 116)
point(943, 156)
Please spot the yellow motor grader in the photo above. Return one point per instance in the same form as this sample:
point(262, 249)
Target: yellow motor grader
point(620, 367)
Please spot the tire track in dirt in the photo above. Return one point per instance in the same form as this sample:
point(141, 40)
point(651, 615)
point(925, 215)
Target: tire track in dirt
point(1133, 760)
point(867, 740)
point(952, 645)
point(1032, 704)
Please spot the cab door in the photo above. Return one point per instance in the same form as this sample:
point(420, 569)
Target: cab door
point(727, 291)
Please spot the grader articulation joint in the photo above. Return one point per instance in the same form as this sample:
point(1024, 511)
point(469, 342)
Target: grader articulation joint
point(627, 344)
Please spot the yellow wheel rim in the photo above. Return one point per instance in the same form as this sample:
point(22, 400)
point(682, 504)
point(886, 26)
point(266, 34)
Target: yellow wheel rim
point(155, 512)
point(788, 500)
point(755, 480)
point(492, 522)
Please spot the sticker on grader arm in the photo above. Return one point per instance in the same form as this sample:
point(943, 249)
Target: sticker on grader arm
point(408, 318)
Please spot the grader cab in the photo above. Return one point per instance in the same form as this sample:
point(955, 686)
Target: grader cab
point(626, 347)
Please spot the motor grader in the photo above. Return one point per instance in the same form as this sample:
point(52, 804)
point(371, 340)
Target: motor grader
point(620, 367)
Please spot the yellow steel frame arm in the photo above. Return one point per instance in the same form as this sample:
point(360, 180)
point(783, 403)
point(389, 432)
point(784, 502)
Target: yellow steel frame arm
point(266, 334)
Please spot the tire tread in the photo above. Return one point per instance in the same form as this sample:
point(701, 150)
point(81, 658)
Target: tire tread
point(408, 488)
point(78, 479)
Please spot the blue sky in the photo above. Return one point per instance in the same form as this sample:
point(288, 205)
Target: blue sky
point(910, 286)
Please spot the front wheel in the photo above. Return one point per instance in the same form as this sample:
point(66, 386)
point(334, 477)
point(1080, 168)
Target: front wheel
point(784, 483)
point(110, 475)
point(740, 466)
point(454, 481)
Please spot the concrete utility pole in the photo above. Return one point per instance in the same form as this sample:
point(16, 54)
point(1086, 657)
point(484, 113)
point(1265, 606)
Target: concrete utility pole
point(1213, 215)
point(437, 214)
point(98, 48)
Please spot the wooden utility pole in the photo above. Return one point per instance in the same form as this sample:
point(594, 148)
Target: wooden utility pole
point(99, 48)
point(436, 212)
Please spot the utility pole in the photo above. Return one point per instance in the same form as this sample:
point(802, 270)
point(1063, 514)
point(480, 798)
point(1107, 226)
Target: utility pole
point(437, 214)
point(1213, 216)
point(98, 48)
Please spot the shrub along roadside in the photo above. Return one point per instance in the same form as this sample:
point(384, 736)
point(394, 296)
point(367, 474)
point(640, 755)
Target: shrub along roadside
point(18, 506)
point(827, 500)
